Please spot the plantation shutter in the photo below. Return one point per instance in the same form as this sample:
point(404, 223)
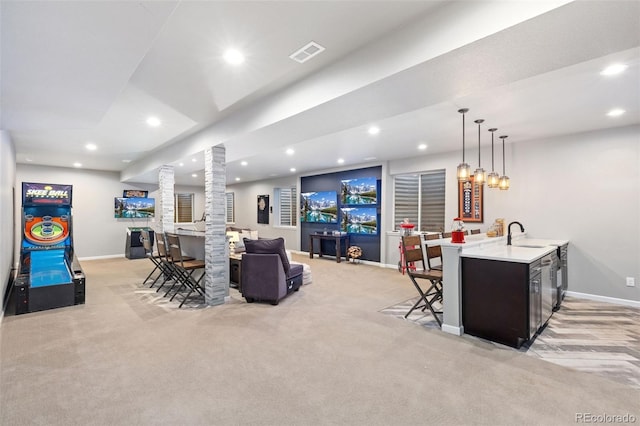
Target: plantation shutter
point(432, 200)
point(229, 208)
point(406, 199)
point(184, 207)
point(287, 206)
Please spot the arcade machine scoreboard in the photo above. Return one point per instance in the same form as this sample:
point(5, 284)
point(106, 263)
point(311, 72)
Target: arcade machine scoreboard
point(50, 275)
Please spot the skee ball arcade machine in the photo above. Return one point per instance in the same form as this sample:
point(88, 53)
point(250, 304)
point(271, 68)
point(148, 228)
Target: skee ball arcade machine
point(50, 275)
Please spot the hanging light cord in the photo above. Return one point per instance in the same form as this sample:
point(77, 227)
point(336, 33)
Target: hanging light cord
point(463, 137)
point(492, 169)
point(479, 122)
point(503, 173)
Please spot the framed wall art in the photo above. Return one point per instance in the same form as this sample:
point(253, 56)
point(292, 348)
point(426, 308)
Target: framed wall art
point(470, 201)
point(263, 209)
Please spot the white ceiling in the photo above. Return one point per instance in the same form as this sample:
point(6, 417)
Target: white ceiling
point(93, 71)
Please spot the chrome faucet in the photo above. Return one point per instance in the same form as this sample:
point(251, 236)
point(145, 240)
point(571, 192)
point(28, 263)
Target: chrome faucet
point(509, 231)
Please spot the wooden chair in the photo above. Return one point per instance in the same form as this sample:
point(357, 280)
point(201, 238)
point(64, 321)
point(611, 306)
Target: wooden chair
point(413, 254)
point(428, 237)
point(446, 235)
point(475, 231)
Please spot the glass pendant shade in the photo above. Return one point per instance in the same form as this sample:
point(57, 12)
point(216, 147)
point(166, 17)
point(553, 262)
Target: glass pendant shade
point(464, 170)
point(492, 178)
point(479, 177)
point(504, 183)
point(504, 179)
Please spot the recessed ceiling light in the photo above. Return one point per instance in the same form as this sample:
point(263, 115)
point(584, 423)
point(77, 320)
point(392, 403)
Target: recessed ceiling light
point(28, 160)
point(194, 160)
point(126, 161)
point(616, 112)
point(237, 179)
point(233, 57)
point(290, 151)
point(373, 130)
point(422, 146)
point(91, 146)
point(181, 164)
point(153, 121)
point(194, 175)
point(340, 160)
point(613, 69)
point(293, 169)
point(243, 163)
point(369, 158)
point(76, 164)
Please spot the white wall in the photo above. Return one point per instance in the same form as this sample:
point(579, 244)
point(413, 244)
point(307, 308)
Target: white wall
point(96, 232)
point(582, 187)
point(7, 183)
point(246, 202)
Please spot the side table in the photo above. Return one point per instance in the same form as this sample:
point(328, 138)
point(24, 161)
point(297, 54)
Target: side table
point(235, 270)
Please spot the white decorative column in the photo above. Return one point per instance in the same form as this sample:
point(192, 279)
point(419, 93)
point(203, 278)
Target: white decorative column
point(166, 180)
point(215, 249)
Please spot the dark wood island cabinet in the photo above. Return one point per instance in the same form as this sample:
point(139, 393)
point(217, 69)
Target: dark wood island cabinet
point(502, 300)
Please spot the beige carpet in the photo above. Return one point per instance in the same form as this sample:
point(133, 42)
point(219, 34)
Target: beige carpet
point(325, 355)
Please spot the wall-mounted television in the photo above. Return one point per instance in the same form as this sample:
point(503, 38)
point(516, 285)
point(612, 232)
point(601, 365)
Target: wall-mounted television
point(320, 207)
point(134, 208)
point(359, 220)
point(359, 191)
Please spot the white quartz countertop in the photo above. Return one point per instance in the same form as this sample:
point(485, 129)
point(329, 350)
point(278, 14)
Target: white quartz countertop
point(513, 253)
point(539, 242)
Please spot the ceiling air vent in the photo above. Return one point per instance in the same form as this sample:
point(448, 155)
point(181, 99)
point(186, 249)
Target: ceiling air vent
point(306, 52)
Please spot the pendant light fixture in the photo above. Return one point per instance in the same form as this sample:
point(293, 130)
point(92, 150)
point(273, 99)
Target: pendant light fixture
point(464, 171)
point(504, 179)
point(492, 178)
point(479, 177)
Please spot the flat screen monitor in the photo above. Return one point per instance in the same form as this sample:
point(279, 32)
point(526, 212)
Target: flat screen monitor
point(319, 207)
point(134, 208)
point(359, 220)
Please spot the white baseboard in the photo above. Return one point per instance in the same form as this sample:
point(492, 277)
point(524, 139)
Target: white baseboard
point(614, 300)
point(452, 329)
point(109, 256)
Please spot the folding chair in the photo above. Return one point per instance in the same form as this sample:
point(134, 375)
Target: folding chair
point(184, 269)
point(168, 269)
point(154, 258)
point(413, 253)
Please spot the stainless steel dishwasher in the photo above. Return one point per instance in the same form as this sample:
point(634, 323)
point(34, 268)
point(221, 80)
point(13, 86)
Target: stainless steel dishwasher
point(547, 287)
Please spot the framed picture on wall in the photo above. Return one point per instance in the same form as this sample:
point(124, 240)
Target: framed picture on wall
point(470, 201)
point(134, 193)
point(359, 191)
point(263, 209)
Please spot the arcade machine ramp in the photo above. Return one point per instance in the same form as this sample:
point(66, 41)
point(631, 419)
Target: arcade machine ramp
point(51, 282)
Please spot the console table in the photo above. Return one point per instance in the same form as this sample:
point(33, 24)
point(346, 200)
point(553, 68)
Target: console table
point(338, 240)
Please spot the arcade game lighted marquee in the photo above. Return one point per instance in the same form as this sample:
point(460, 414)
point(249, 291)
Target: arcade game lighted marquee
point(50, 275)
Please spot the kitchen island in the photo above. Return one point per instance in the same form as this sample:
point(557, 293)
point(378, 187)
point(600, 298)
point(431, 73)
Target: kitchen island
point(521, 262)
point(507, 292)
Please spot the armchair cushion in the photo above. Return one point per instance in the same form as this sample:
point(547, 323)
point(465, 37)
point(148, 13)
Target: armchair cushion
point(268, 247)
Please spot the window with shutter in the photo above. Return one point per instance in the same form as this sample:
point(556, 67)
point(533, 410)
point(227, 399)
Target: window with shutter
point(184, 207)
point(420, 198)
point(286, 206)
point(230, 211)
